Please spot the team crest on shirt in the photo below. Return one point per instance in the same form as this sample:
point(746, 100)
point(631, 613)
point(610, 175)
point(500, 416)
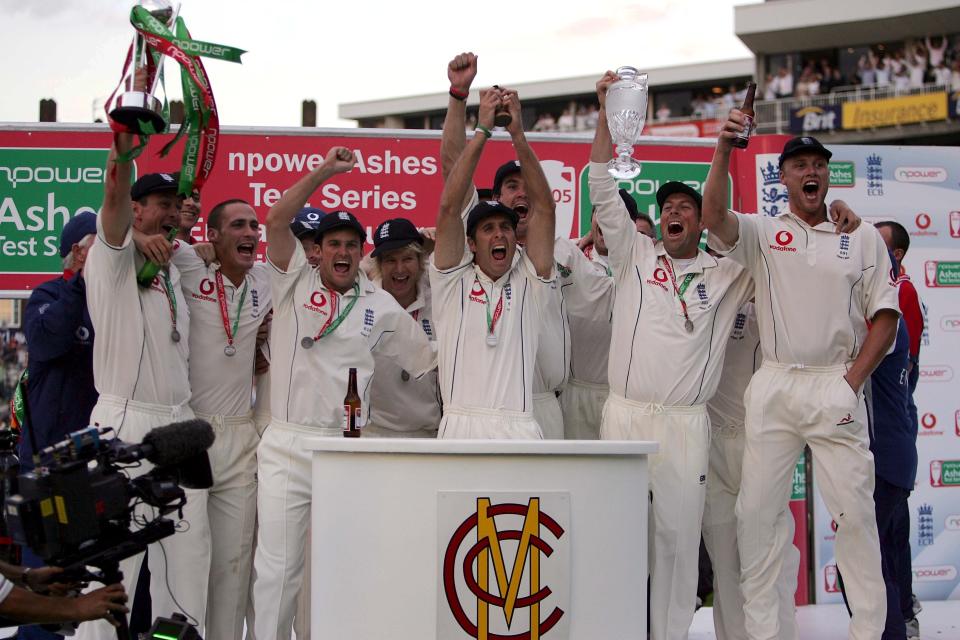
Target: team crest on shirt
point(659, 279)
point(739, 326)
point(702, 295)
point(508, 294)
point(367, 322)
point(563, 271)
point(254, 303)
point(427, 328)
point(844, 251)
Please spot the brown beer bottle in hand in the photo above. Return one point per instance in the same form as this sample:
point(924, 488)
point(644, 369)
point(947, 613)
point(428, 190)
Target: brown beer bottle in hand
point(743, 138)
point(501, 115)
point(352, 413)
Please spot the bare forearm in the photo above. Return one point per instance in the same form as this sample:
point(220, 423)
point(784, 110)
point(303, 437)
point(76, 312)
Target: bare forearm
point(285, 210)
point(882, 333)
point(537, 187)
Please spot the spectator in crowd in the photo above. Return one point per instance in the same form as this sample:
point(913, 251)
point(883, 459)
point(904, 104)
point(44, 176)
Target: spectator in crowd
point(901, 80)
point(770, 87)
point(917, 65)
point(581, 118)
point(567, 122)
point(865, 70)
point(784, 83)
point(593, 116)
point(937, 53)
point(955, 75)
point(942, 74)
point(663, 113)
point(545, 123)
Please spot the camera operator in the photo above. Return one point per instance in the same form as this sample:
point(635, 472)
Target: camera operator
point(24, 598)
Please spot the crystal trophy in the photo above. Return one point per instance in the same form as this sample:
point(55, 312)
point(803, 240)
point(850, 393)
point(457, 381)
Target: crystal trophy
point(626, 113)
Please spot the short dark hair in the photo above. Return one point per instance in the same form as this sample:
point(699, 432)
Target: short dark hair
point(899, 237)
point(646, 218)
point(213, 219)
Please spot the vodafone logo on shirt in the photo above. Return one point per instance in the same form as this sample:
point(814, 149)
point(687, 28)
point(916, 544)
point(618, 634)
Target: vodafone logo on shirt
point(317, 302)
point(206, 291)
point(783, 241)
point(477, 294)
point(659, 278)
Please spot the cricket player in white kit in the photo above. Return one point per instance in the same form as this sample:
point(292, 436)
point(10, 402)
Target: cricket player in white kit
point(727, 441)
point(488, 302)
point(675, 305)
point(401, 407)
point(327, 319)
point(140, 365)
point(816, 291)
point(587, 286)
point(228, 300)
point(510, 188)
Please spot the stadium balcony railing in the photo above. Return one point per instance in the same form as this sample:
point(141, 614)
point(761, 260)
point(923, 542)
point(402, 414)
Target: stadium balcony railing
point(773, 116)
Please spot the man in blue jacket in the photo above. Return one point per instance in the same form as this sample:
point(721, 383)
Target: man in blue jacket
point(60, 391)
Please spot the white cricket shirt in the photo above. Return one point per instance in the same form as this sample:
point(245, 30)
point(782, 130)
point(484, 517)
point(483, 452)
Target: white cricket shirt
point(399, 401)
point(741, 360)
point(221, 384)
point(308, 385)
point(134, 356)
point(588, 293)
point(474, 374)
point(652, 356)
point(815, 287)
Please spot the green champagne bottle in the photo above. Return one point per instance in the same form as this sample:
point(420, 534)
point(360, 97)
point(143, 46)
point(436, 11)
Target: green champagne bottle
point(150, 269)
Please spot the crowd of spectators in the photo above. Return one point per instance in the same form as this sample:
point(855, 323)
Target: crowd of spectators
point(905, 68)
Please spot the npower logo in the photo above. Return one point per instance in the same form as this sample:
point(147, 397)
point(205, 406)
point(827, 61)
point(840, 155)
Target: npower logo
point(950, 323)
point(920, 174)
point(935, 573)
point(936, 373)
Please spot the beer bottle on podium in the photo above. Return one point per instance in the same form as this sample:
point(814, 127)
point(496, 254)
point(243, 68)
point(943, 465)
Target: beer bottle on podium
point(743, 138)
point(352, 413)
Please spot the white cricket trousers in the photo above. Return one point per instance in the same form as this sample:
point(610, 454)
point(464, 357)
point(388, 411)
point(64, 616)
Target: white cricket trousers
point(183, 559)
point(678, 473)
point(232, 517)
point(371, 430)
point(788, 406)
point(283, 513)
point(720, 538)
point(582, 407)
point(547, 413)
point(461, 423)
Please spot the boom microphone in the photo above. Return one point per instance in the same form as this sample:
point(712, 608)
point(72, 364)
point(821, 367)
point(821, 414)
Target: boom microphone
point(178, 442)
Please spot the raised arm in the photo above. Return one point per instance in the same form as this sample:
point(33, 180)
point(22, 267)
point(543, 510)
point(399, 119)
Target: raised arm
point(450, 232)
point(602, 149)
point(542, 220)
point(116, 214)
point(460, 71)
point(280, 240)
point(716, 217)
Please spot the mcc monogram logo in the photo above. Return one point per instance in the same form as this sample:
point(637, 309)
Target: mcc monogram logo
point(504, 569)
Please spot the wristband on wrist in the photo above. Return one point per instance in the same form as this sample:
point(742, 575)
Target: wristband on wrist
point(482, 129)
point(24, 577)
point(459, 95)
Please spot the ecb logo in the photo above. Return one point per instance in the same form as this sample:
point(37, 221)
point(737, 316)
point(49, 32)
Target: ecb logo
point(505, 569)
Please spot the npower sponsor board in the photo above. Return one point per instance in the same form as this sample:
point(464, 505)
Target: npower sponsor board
point(49, 173)
point(919, 187)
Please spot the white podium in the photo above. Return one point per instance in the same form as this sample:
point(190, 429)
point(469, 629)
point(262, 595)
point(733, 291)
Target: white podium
point(457, 539)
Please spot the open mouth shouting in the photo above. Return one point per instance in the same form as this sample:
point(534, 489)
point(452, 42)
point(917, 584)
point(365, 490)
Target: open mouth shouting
point(810, 189)
point(247, 249)
point(499, 252)
point(675, 229)
point(341, 267)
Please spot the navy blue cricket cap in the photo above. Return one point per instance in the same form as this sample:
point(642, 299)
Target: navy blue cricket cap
point(803, 144)
point(670, 188)
point(395, 233)
point(154, 183)
point(340, 220)
point(306, 221)
point(506, 169)
point(486, 209)
point(630, 203)
point(79, 227)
